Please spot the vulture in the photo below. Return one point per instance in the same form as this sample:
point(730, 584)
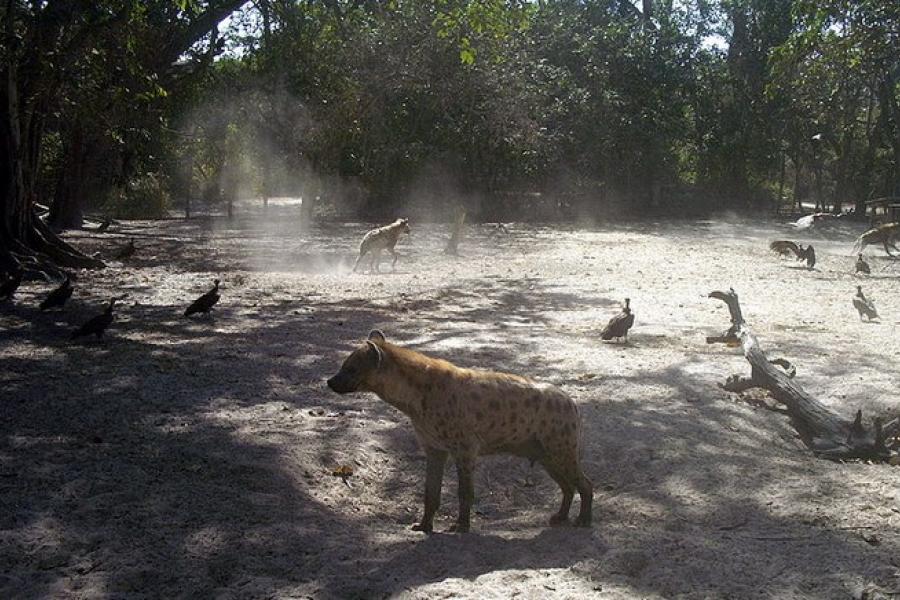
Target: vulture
point(864, 306)
point(785, 248)
point(97, 325)
point(619, 325)
point(58, 296)
point(204, 303)
point(810, 221)
point(9, 287)
point(862, 266)
point(126, 252)
point(810, 254)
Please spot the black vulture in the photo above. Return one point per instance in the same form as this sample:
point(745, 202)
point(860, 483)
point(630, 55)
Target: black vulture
point(204, 303)
point(58, 296)
point(9, 287)
point(785, 248)
point(126, 252)
point(97, 325)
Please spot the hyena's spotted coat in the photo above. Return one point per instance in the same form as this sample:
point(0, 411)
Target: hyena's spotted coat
point(383, 238)
point(468, 413)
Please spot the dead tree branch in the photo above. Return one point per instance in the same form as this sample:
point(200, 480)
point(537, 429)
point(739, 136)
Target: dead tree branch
point(825, 432)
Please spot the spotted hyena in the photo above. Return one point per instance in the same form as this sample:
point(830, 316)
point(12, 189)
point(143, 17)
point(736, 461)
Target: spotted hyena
point(467, 413)
point(383, 238)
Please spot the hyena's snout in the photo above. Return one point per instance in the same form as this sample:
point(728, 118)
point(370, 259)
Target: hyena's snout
point(342, 384)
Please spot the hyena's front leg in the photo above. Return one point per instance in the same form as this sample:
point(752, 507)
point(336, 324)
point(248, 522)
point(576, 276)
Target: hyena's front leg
point(396, 256)
point(465, 470)
point(376, 260)
point(888, 242)
point(434, 476)
point(358, 258)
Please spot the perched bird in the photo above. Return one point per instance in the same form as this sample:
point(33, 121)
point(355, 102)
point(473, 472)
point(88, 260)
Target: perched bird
point(862, 266)
point(97, 325)
point(9, 287)
point(204, 303)
point(58, 296)
point(864, 306)
point(104, 225)
point(126, 252)
point(785, 248)
point(619, 325)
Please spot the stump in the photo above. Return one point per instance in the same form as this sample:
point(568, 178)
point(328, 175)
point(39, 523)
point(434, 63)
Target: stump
point(823, 431)
point(456, 233)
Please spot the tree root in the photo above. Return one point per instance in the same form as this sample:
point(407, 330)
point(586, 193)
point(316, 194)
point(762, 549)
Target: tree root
point(46, 242)
point(43, 255)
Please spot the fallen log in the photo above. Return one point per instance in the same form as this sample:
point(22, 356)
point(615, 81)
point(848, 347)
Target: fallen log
point(823, 431)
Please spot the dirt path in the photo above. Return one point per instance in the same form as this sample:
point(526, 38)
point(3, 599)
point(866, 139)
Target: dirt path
point(193, 458)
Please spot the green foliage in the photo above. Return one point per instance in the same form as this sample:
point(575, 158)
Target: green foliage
point(145, 197)
point(488, 96)
point(839, 73)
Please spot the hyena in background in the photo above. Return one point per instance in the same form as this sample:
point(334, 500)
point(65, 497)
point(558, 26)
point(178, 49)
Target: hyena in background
point(468, 413)
point(886, 234)
point(383, 238)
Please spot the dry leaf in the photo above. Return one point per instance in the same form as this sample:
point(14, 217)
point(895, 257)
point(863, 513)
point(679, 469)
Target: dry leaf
point(343, 471)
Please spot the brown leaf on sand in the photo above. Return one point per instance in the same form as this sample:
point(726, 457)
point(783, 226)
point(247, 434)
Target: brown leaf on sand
point(343, 471)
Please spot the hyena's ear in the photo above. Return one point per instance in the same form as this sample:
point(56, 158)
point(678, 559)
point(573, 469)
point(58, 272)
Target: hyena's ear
point(376, 336)
point(375, 353)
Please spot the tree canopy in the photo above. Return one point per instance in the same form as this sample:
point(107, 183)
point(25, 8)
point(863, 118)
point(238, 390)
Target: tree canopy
point(134, 108)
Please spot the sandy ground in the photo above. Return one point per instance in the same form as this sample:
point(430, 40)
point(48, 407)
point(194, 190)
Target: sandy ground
point(194, 457)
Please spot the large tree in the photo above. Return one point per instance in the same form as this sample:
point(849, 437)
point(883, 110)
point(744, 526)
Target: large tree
point(57, 57)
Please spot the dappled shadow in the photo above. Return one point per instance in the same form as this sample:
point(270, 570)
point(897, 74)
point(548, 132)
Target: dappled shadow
point(114, 452)
point(193, 457)
point(686, 504)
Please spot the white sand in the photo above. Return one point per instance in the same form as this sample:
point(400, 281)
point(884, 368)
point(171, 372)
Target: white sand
point(193, 458)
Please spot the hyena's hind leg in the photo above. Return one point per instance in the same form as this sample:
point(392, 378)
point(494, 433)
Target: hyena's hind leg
point(586, 493)
point(569, 476)
point(565, 484)
point(465, 472)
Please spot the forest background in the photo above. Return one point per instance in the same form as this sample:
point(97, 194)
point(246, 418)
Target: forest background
point(508, 109)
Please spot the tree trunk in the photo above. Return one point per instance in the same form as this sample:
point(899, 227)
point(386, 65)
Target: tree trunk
point(781, 176)
point(797, 195)
point(265, 184)
point(647, 10)
point(24, 239)
point(826, 433)
point(891, 115)
point(456, 232)
point(66, 209)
